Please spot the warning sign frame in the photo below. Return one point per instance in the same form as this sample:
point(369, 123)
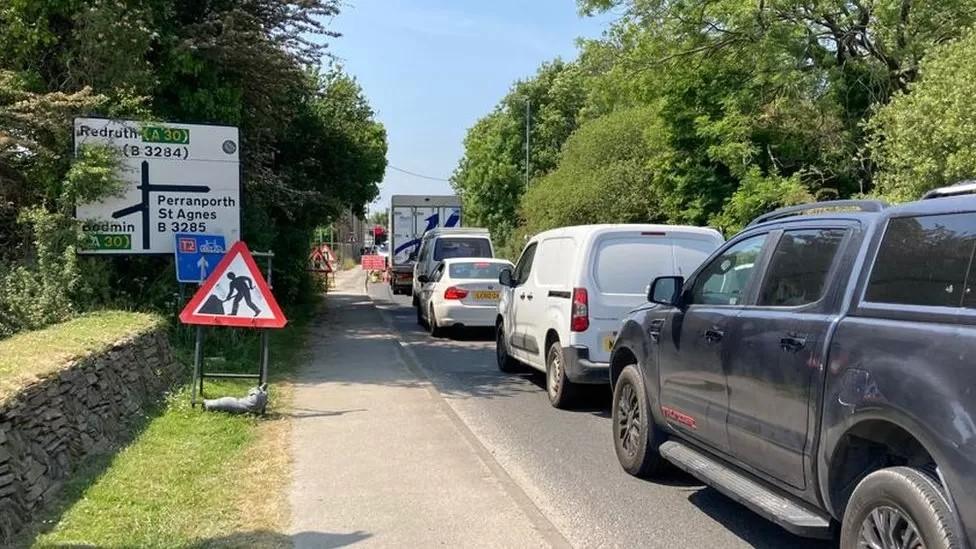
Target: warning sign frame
point(239, 249)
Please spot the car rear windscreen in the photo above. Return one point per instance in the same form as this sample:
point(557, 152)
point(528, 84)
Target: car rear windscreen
point(446, 248)
point(483, 270)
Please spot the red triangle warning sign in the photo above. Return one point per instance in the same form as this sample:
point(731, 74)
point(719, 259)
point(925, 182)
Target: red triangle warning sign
point(235, 294)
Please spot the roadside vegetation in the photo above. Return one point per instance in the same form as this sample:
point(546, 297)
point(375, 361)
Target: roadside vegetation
point(28, 356)
point(312, 147)
point(191, 478)
point(712, 112)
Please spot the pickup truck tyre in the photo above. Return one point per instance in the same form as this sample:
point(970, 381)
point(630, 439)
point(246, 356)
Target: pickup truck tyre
point(432, 327)
point(506, 363)
point(636, 438)
point(562, 392)
point(898, 507)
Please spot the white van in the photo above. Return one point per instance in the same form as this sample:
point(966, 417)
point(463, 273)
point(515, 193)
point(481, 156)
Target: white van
point(561, 306)
point(445, 243)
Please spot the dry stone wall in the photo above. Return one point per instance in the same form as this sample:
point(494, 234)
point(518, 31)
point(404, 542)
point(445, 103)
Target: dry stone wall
point(89, 407)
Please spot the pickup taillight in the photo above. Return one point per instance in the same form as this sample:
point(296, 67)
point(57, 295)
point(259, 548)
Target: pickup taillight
point(579, 320)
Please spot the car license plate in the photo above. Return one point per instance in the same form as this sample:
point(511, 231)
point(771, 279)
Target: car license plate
point(608, 341)
point(487, 295)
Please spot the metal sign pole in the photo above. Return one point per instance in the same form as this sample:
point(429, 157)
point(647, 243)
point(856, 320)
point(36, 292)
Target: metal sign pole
point(197, 367)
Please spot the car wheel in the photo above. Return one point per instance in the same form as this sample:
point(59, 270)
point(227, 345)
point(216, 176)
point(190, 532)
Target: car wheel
point(435, 330)
point(505, 361)
point(636, 437)
point(898, 507)
point(420, 316)
point(562, 391)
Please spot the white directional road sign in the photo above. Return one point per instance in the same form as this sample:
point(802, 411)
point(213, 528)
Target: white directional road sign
point(180, 178)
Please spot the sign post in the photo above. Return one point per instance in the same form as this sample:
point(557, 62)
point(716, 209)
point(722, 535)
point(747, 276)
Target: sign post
point(179, 178)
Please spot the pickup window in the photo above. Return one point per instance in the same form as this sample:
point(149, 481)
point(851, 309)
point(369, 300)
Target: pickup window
point(926, 260)
point(797, 274)
point(726, 279)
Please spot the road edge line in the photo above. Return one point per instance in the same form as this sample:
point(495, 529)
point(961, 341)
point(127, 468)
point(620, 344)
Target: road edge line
point(536, 517)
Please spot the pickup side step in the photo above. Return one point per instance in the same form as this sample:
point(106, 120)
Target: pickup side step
point(794, 517)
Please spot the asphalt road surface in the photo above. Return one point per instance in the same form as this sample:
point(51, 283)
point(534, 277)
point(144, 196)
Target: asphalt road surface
point(564, 460)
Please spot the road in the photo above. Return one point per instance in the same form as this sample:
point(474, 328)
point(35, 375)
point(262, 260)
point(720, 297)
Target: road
point(564, 460)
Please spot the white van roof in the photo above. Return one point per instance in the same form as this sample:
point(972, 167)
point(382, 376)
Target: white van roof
point(581, 231)
point(457, 231)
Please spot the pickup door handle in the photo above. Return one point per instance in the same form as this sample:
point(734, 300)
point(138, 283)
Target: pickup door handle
point(713, 335)
point(522, 296)
point(529, 296)
point(792, 343)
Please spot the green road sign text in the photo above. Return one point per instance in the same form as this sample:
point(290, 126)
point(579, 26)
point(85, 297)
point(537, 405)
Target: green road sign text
point(110, 242)
point(158, 134)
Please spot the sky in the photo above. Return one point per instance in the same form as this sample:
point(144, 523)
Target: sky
point(432, 68)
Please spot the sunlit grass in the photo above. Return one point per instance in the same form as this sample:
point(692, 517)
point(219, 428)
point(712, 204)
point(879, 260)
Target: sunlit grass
point(26, 356)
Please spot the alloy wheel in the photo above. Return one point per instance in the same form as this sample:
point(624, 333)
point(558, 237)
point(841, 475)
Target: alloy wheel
point(629, 422)
point(889, 528)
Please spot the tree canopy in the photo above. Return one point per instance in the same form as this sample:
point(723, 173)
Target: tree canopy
point(752, 106)
point(313, 147)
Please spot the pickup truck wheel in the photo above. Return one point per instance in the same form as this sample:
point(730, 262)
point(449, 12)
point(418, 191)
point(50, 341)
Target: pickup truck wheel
point(636, 438)
point(898, 508)
point(562, 391)
point(505, 361)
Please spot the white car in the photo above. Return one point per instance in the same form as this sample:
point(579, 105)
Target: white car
point(562, 306)
point(460, 293)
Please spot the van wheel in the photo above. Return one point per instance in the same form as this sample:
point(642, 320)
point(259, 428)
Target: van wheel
point(898, 507)
point(505, 361)
point(435, 330)
point(562, 391)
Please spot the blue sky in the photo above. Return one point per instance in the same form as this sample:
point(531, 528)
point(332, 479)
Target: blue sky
point(431, 68)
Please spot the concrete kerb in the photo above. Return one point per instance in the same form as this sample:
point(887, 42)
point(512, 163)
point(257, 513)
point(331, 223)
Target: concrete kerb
point(413, 364)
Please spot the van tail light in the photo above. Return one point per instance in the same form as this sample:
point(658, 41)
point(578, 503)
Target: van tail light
point(455, 293)
point(580, 319)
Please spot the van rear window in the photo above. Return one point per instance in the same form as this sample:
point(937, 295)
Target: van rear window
point(627, 265)
point(448, 247)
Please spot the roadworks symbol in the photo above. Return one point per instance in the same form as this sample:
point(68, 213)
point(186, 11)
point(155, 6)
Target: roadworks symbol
point(235, 294)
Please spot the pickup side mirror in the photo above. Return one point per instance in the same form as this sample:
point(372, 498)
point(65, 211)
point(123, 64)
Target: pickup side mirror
point(423, 279)
point(505, 278)
point(666, 290)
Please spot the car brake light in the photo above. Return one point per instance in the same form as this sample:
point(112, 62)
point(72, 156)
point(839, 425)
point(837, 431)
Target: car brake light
point(455, 293)
point(580, 317)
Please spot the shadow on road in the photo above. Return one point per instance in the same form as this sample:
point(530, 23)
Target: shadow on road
point(743, 522)
point(265, 538)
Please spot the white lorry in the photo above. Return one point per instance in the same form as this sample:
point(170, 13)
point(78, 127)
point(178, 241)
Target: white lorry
point(410, 217)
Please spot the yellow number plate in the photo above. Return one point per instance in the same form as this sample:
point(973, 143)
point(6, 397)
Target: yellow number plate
point(493, 295)
point(608, 341)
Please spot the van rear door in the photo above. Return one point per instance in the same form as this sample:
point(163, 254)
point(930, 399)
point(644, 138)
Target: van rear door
point(623, 266)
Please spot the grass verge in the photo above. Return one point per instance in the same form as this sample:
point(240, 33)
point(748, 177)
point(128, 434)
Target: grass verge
point(193, 478)
point(26, 356)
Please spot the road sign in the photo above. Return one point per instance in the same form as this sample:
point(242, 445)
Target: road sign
point(179, 178)
point(197, 255)
point(235, 294)
point(373, 263)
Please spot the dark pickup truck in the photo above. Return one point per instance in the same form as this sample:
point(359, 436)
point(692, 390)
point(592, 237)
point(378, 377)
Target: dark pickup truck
point(820, 369)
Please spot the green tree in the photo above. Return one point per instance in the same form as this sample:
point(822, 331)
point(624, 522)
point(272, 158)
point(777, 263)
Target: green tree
point(927, 138)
